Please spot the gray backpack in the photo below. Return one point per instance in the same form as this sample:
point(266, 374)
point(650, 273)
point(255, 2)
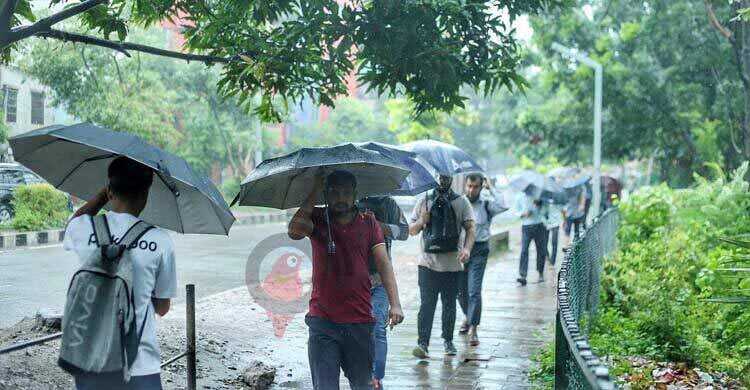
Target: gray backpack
point(99, 326)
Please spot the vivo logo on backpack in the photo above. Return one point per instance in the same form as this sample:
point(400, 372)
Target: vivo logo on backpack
point(79, 324)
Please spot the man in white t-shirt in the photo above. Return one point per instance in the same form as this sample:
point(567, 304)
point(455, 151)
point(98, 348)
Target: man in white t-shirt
point(154, 277)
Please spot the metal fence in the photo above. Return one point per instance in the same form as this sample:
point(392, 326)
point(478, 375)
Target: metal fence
point(188, 354)
point(576, 365)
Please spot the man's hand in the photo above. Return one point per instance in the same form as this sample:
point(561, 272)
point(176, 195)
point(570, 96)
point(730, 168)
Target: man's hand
point(395, 315)
point(526, 214)
point(463, 255)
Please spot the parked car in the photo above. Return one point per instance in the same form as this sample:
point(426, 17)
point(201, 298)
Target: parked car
point(12, 176)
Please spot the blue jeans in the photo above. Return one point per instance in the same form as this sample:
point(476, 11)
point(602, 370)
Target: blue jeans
point(432, 284)
point(470, 283)
point(379, 299)
point(334, 347)
point(115, 382)
point(538, 234)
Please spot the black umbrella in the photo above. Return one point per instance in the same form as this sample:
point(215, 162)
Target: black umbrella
point(447, 159)
point(75, 160)
point(538, 186)
point(285, 182)
point(421, 174)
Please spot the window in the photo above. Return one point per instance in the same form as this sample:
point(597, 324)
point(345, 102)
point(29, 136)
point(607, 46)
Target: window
point(10, 104)
point(37, 108)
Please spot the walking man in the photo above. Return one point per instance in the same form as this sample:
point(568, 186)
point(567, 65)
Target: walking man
point(470, 281)
point(340, 319)
point(153, 267)
point(552, 223)
point(574, 212)
point(532, 229)
point(440, 216)
point(393, 224)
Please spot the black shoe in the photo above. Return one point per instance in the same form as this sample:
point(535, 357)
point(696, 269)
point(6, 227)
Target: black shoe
point(474, 339)
point(450, 349)
point(464, 329)
point(420, 352)
point(522, 281)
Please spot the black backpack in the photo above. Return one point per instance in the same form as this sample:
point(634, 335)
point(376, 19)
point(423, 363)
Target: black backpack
point(442, 233)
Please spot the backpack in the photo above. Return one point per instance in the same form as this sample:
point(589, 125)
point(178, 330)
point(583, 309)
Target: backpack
point(442, 233)
point(99, 332)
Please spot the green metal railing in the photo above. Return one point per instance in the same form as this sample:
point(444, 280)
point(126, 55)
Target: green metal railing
point(576, 365)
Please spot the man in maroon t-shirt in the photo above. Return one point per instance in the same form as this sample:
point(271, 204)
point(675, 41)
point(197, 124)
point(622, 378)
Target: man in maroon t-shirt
point(340, 319)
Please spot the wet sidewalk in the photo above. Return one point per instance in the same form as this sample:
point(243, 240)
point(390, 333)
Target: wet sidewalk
point(514, 320)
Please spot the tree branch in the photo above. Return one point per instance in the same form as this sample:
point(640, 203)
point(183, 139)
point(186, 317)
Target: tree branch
point(715, 21)
point(124, 47)
point(22, 32)
point(6, 15)
point(86, 65)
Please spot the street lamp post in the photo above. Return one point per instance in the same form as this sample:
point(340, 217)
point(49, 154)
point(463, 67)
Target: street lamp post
point(596, 182)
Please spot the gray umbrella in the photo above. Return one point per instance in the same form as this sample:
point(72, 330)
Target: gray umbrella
point(538, 186)
point(285, 182)
point(75, 160)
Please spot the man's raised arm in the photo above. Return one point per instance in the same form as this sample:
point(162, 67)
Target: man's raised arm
point(301, 225)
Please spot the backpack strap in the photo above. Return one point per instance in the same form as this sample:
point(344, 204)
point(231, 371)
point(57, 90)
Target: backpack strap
point(101, 230)
point(135, 233)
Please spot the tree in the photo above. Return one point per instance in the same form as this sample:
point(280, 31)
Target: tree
point(169, 103)
point(352, 120)
point(407, 127)
point(424, 50)
point(672, 88)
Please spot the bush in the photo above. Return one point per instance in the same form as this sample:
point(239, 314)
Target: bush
point(38, 207)
point(231, 187)
point(655, 288)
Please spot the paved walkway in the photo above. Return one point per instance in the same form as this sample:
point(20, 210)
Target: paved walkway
point(514, 321)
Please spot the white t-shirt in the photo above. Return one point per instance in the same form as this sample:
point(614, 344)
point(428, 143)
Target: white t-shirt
point(154, 275)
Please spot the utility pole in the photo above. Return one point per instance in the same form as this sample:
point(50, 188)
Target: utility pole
point(597, 177)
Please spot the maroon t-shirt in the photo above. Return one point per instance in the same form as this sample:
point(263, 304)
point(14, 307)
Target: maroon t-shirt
point(341, 281)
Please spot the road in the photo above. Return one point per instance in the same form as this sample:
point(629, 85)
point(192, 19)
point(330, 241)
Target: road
point(37, 278)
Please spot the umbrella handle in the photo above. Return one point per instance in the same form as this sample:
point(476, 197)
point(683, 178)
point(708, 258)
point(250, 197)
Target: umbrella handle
point(166, 177)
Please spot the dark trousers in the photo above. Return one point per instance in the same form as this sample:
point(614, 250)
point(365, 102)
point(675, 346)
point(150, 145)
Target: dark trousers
point(536, 233)
point(577, 224)
point(470, 283)
point(115, 382)
point(333, 347)
point(553, 234)
point(432, 284)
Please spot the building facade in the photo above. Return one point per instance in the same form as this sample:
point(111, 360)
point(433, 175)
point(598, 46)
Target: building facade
point(26, 103)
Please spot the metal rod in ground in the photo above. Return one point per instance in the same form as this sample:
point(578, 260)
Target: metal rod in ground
point(190, 317)
point(174, 359)
point(30, 343)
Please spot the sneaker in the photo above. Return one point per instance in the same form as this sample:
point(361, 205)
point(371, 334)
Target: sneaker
point(474, 339)
point(420, 352)
point(541, 278)
point(522, 281)
point(464, 329)
point(450, 349)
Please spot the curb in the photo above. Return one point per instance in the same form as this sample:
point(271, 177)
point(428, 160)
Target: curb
point(30, 239)
point(19, 240)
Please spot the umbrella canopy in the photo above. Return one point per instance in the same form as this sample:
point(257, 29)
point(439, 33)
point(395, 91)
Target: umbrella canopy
point(576, 182)
point(75, 160)
point(285, 182)
point(563, 172)
point(447, 159)
point(538, 186)
point(421, 177)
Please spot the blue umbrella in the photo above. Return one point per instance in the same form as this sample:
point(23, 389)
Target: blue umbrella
point(447, 159)
point(421, 177)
